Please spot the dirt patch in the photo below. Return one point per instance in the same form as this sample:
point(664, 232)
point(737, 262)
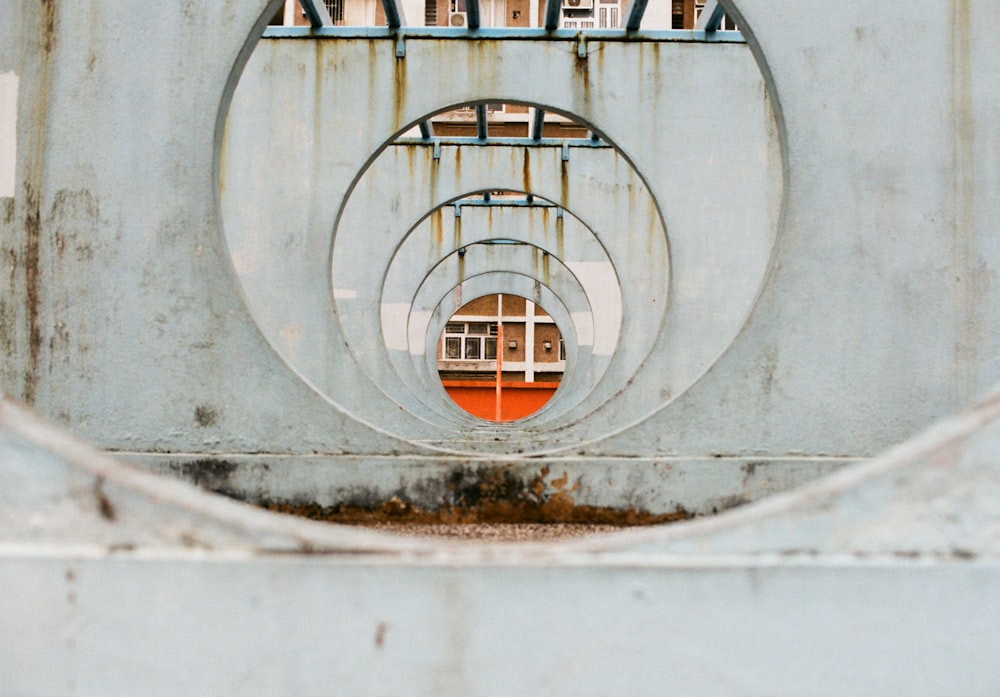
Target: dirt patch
point(464, 496)
point(558, 509)
point(500, 532)
point(494, 495)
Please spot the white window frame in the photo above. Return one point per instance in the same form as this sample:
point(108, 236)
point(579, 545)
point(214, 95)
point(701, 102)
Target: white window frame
point(470, 335)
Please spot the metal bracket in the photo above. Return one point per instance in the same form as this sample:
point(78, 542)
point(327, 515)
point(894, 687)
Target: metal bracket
point(538, 124)
point(581, 46)
point(472, 14)
point(553, 8)
point(437, 150)
point(400, 46)
point(394, 17)
point(317, 14)
point(711, 16)
point(565, 152)
point(632, 14)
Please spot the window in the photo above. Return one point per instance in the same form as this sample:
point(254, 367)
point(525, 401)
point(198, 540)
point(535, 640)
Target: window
point(677, 14)
point(470, 341)
point(608, 16)
point(336, 10)
point(726, 24)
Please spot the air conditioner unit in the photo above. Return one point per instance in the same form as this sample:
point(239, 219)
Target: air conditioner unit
point(457, 19)
point(578, 4)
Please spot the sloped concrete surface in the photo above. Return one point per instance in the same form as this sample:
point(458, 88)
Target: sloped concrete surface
point(880, 579)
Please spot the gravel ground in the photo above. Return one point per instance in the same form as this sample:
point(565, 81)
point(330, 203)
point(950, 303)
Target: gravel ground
point(499, 532)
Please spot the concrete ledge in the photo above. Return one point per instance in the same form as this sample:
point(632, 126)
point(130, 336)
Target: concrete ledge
point(120, 581)
point(697, 485)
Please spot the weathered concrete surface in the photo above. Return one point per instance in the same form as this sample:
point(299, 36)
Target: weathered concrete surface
point(356, 202)
point(879, 580)
point(702, 486)
point(876, 312)
point(112, 254)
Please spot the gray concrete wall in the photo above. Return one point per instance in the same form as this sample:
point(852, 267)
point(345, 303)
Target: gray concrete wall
point(870, 153)
point(878, 580)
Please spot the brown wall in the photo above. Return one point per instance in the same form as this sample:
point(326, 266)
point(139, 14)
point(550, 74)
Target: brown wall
point(546, 332)
point(468, 129)
point(486, 305)
point(518, 13)
point(514, 305)
point(515, 331)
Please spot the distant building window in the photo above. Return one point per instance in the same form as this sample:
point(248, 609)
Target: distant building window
point(608, 17)
point(677, 14)
point(470, 341)
point(336, 10)
point(726, 25)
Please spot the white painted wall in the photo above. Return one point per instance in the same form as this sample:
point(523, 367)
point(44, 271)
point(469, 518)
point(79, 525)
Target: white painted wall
point(8, 133)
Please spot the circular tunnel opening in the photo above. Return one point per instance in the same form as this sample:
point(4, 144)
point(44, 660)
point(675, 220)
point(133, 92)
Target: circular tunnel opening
point(501, 357)
point(643, 319)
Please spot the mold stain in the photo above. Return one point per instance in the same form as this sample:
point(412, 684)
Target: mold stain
point(32, 240)
point(104, 505)
point(32, 217)
point(206, 415)
point(484, 495)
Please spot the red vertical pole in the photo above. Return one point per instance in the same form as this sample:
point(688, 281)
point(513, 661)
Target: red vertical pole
point(499, 409)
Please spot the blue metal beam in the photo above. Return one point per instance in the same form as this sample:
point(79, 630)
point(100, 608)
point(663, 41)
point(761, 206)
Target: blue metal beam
point(553, 8)
point(509, 142)
point(529, 200)
point(482, 131)
point(394, 17)
point(711, 16)
point(632, 14)
point(472, 14)
point(538, 124)
point(505, 33)
point(316, 13)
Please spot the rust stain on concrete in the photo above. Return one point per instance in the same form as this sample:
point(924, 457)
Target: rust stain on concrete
point(490, 495)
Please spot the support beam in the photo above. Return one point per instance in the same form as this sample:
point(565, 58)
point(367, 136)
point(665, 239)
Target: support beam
point(317, 14)
point(394, 17)
point(426, 130)
point(506, 33)
point(552, 10)
point(538, 124)
point(472, 14)
point(438, 141)
point(482, 132)
point(711, 16)
point(632, 14)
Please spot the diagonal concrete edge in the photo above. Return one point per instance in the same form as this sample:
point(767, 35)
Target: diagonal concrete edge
point(935, 497)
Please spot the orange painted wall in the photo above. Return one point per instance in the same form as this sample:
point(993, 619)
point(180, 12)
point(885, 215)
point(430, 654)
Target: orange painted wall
point(517, 399)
